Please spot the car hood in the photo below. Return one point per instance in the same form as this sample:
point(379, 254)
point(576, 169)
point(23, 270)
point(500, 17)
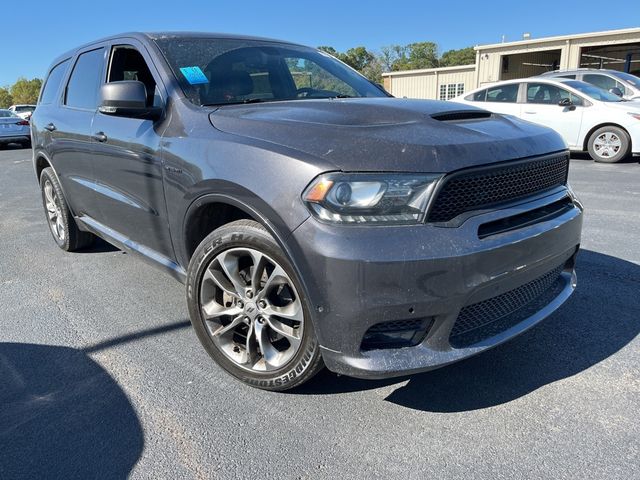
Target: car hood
point(388, 134)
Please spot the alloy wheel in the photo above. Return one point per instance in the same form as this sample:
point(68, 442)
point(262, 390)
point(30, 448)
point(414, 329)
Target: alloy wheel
point(607, 145)
point(251, 309)
point(54, 211)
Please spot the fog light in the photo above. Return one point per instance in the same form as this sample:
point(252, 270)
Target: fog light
point(396, 334)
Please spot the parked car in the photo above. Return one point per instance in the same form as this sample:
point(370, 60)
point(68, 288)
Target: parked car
point(588, 118)
point(623, 84)
point(14, 129)
point(314, 219)
point(23, 111)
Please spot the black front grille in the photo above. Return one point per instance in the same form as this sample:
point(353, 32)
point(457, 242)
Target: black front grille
point(481, 188)
point(510, 305)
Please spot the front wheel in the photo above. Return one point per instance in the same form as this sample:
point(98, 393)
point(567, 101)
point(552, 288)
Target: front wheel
point(248, 310)
point(609, 144)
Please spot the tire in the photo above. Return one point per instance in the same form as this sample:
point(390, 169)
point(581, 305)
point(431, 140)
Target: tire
point(63, 227)
point(269, 314)
point(609, 144)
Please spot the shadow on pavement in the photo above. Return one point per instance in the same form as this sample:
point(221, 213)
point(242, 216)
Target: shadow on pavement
point(99, 246)
point(63, 416)
point(600, 319)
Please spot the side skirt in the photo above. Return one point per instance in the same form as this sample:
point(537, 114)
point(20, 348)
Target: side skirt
point(116, 238)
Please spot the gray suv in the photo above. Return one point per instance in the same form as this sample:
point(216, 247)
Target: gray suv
point(314, 219)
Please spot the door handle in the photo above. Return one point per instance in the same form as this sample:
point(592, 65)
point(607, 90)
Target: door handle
point(50, 127)
point(99, 137)
point(530, 113)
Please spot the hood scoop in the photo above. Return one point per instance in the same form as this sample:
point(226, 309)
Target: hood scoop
point(461, 115)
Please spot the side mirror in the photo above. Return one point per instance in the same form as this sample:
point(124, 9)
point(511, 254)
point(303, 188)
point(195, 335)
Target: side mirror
point(127, 98)
point(565, 102)
point(616, 91)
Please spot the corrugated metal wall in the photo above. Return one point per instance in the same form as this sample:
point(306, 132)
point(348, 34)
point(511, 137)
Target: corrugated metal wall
point(427, 84)
point(489, 69)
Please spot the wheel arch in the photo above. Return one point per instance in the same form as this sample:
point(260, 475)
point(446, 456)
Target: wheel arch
point(240, 210)
point(213, 210)
point(41, 162)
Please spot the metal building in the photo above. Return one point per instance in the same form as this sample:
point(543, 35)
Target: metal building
point(613, 49)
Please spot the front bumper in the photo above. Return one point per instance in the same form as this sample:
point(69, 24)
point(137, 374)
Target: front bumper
point(357, 277)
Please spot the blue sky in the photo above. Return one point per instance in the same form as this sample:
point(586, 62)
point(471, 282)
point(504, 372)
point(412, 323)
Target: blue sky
point(41, 29)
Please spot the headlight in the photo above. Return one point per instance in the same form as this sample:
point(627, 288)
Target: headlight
point(356, 198)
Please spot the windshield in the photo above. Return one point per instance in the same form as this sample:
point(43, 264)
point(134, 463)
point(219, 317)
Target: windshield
point(7, 113)
point(25, 108)
point(214, 71)
point(593, 91)
point(628, 78)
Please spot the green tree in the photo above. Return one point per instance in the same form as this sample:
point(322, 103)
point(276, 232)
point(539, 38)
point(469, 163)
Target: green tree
point(358, 58)
point(415, 56)
point(26, 91)
point(463, 56)
point(6, 100)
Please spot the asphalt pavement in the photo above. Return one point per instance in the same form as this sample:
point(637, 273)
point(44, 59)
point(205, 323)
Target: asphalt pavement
point(101, 375)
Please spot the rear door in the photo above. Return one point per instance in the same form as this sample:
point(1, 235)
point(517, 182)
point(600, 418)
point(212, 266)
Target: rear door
point(503, 99)
point(542, 106)
point(127, 157)
point(67, 129)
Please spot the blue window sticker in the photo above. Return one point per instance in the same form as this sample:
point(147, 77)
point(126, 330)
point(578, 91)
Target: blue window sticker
point(194, 75)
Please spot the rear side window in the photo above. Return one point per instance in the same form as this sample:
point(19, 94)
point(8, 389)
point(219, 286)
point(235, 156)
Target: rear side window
point(477, 97)
point(52, 84)
point(82, 89)
point(572, 77)
point(503, 93)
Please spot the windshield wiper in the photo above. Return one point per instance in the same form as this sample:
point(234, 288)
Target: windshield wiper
point(246, 100)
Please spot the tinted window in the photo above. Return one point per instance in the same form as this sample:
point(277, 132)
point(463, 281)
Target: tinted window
point(594, 92)
point(214, 71)
point(602, 81)
point(129, 64)
point(53, 82)
point(543, 93)
point(82, 89)
point(572, 77)
point(503, 93)
point(477, 97)
point(627, 77)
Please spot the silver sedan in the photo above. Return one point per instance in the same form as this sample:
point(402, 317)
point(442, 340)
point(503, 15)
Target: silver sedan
point(14, 129)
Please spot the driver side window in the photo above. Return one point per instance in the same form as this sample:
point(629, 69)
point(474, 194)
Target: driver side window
point(543, 93)
point(128, 64)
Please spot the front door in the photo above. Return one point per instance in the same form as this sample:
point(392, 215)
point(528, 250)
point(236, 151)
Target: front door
point(542, 106)
point(128, 162)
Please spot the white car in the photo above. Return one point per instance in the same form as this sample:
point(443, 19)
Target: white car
point(589, 118)
point(23, 111)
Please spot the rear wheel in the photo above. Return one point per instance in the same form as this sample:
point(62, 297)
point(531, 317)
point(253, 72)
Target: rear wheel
point(247, 308)
point(609, 144)
point(63, 227)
